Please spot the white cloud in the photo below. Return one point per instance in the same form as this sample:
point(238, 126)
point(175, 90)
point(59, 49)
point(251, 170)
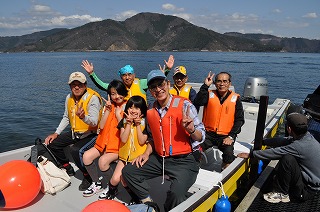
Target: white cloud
point(126, 14)
point(41, 8)
point(310, 15)
point(276, 11)
point(72, 20)
point(185, 16)
point(47, 23)
point(168, 7)
point(172, 7)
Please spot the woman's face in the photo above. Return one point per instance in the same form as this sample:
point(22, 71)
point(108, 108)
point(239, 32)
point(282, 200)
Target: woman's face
point(115, 97)
point(135, 112)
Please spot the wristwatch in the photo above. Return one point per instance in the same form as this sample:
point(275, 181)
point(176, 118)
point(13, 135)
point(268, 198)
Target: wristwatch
point(231, 137)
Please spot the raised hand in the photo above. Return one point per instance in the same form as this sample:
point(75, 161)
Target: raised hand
point(80, 111)
point(209, 79)
point(129, 118)
point(162, 68)
point(87, 66)
point(107, 103)
point(137, 120)
point(187, 121)
point(170, 62)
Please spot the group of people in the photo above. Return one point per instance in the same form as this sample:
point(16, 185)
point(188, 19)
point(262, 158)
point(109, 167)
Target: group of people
point(162, 139)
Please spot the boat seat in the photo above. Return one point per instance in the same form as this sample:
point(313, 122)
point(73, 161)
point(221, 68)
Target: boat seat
point(205, 180)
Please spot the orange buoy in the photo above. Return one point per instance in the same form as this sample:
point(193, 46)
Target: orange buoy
point(20, 183)
point(105, 205)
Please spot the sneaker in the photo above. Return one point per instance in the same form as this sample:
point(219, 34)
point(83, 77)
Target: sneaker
point(106, 194)
point(276, 197)
point(85, 184)
point(95, 187)
point(69, 169)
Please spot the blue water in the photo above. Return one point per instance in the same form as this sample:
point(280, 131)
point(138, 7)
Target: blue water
point(34, 85)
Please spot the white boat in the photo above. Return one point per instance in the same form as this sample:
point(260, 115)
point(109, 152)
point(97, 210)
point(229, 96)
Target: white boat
point(203, 194)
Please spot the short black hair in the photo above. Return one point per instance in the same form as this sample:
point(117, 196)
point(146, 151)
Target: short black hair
point(138, 102)
point(119, 86)
point(216, 77)
point(298, 123)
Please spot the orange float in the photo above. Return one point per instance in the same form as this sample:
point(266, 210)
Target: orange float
point(106, 205)
point(20, 183)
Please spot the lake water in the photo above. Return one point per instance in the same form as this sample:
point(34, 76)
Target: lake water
point(34, 85)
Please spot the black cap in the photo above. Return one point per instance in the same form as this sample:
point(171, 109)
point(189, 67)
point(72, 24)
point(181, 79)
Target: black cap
point(298, 123)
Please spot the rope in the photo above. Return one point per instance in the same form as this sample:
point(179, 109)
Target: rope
point(221, 188)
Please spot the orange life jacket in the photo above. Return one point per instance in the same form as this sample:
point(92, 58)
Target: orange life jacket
point(109, 136)
point(170, 138)
point(219, 118)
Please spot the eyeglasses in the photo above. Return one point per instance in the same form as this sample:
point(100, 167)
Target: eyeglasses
point(222, 82)
point(74, 84)
point(160, 85)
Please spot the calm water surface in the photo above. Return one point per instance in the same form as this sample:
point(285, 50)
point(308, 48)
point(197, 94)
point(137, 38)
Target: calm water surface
point(34, 85)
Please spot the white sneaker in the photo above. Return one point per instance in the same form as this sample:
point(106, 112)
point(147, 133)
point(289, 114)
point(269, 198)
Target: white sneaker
point(104, 194)
point(276, 197)
point(95, 187)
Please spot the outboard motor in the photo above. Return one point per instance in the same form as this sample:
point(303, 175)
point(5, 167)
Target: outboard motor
point(254, 88)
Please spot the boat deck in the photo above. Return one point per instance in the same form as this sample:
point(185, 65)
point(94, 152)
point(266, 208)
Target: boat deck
point(254, 200)
point(203, 193)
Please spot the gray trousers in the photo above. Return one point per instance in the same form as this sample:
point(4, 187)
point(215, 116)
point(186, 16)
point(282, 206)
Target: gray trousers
point(182, 170)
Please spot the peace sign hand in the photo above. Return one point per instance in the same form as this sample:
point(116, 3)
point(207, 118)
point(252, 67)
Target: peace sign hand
point(129, 118)
point(209, 79)
point(187, 121)
point(137, 120)
point(80, 111)
point(107, 103)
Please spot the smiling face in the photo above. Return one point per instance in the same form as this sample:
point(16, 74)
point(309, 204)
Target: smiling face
point(128, 79)
point(115, 97)
point(135, 112)
point(78, 89)
point(222, 83)
point(159, 89)
point(180, 80)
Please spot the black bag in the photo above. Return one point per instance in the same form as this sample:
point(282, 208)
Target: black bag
point(312, 105)
point(41, 149)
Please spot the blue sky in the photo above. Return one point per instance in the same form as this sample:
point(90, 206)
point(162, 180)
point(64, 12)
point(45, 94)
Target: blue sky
point(284, 18)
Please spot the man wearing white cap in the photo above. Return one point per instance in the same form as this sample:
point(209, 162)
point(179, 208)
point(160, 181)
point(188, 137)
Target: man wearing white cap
point(82, 112)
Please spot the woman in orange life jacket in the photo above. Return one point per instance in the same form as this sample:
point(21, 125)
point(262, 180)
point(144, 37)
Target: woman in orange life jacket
point(133, 134)
point(108, 140)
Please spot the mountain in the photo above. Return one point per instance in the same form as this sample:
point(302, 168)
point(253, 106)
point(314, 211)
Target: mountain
point(10, 42)
point(287, 44)
point(152, 32)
